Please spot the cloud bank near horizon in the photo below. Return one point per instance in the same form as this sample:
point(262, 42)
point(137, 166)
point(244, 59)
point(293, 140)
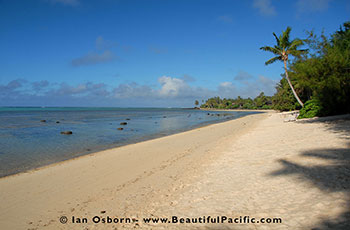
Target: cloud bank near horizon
point(169, 92)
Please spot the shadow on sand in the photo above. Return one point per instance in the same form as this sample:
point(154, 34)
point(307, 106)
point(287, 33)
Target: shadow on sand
point(333, 177)
point(338, 124)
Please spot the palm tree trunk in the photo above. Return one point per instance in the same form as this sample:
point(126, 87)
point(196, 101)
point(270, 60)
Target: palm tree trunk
point(291, 86)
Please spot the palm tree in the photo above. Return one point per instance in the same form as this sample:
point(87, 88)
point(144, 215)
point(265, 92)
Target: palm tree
point(283, 49)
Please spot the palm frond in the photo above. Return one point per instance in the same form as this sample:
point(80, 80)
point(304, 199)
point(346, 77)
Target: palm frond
point(274, 59)
point(284, 47)
point(277, 39)
point(274, 50)
point(295, 44)
point(285, 38)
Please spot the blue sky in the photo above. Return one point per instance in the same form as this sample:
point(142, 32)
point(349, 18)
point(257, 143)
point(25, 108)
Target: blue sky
point(160, 53)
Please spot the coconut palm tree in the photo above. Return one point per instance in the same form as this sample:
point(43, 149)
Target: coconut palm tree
point(282, 50)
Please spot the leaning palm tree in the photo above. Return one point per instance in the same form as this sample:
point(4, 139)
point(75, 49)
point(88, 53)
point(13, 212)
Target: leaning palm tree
point(284, 48)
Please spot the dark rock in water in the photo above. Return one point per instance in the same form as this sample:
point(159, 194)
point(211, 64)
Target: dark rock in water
point(218, 115)
point(57, 122)
point(120, 128)
point(67, 132)
point(123, 123)
point(155, 122)
point(164, 116)
point(88, 149)
point(128, 119)
point(42, 120)
point(208, 113)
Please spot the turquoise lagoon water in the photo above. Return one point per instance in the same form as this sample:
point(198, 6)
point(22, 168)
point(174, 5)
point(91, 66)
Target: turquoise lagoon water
point(27, 143)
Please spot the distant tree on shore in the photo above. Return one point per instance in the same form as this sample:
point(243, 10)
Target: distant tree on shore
point(260, 102)
point(196, 102)
point(282, 50)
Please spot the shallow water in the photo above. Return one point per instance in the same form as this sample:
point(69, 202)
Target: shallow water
point(27, 143)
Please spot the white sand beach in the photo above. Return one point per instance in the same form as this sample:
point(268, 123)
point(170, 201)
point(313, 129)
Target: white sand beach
point(257, 166)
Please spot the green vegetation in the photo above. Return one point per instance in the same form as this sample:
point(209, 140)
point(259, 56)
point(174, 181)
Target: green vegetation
point(260, 102)
point(196, 103)
point(319, 77)
point(324, 74)
point(312, 108)
point(284, 48)
point(284, 100)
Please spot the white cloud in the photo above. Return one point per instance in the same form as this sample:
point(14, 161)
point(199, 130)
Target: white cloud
point(171, 91)
point(250, 87)
point(265, 7)
point(227, 90)
point(40, 85)
point(12, 89)
point(243, 76)
point(133, 90)
point(304, 6)
point(87, 89)
point(260, 84)
point(188, 78)
point(102, 54)
point(94, 58)
point(178, 88)
point(172, 87)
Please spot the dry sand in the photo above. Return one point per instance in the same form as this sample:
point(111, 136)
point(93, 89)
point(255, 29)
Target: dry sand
point(256, 166)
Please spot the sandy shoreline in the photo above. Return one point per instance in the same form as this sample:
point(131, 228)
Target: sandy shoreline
point(257, 165)
point(93, 149)
point(127, 144)
point(62, 186)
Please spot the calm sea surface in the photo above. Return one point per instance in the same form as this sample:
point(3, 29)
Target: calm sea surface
point(27, 143)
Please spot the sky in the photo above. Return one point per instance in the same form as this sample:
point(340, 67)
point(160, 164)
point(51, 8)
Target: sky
point(148, 53)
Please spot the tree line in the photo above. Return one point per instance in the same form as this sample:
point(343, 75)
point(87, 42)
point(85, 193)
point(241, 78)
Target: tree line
point(316, 80)
point(260, 102)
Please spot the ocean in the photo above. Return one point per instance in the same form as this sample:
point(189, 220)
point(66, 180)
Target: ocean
point(28, 142)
